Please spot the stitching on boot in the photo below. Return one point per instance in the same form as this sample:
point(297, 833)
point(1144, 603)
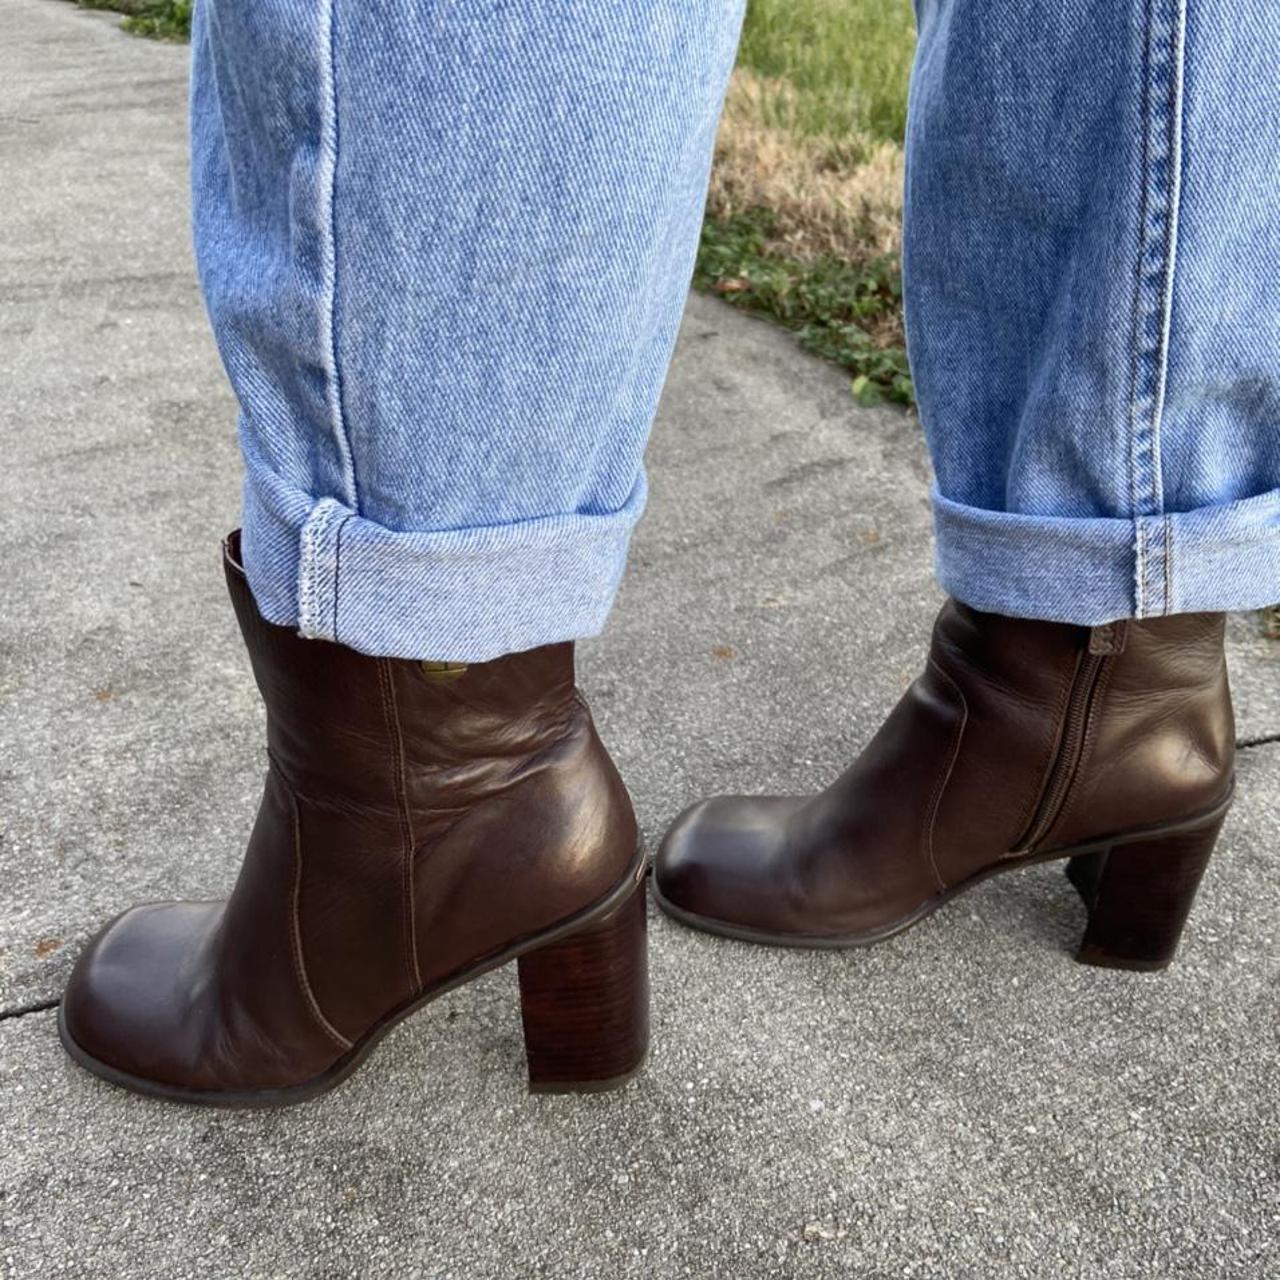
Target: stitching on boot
point(295, 933)
point(390, 708)
point(935, 800)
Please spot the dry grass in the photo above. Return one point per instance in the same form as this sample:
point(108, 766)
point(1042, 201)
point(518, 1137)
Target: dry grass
point(805, 209)
point(842, 198)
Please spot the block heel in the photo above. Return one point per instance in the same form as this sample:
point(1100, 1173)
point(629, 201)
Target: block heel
point(584, 1001)
point(1139, 896)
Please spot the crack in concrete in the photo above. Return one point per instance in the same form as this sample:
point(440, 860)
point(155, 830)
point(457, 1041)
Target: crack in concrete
point(21, 1011)
point(43, 1006)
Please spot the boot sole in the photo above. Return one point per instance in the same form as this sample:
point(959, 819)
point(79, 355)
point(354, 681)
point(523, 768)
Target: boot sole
point(1090, 953)
point(291, 1095)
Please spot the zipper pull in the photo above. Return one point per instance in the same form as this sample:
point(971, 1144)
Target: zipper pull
point(1110, 638)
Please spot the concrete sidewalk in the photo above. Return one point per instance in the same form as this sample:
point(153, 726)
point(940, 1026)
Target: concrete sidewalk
point(962, 1101)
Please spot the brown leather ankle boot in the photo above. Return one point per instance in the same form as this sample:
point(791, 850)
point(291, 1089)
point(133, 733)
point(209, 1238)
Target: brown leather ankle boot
point(1022, 741)
point(421, 825)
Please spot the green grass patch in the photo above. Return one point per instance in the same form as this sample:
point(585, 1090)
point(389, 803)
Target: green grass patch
point(832, 306)
point(842, 65)
point(159, 19)
point(828, 92)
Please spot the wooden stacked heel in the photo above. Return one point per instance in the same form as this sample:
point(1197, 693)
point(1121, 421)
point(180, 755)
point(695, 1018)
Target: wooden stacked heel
point(584, 1001)
point(1139, 896)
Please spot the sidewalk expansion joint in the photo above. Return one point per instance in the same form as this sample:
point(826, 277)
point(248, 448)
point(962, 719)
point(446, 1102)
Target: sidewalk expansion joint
point(21, 1011)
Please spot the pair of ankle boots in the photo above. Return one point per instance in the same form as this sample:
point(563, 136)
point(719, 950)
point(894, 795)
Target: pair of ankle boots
point(423, 823)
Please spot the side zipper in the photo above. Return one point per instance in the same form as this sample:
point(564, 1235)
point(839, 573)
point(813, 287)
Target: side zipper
point(1105, 642)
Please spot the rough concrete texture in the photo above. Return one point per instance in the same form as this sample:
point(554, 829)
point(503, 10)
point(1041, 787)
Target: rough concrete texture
point(962, 1101)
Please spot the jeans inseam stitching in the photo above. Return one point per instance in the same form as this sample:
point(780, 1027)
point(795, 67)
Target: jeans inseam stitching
point(1173, 165)
point(1135, 333)
point(337, 574)
point(1173, 217)
point(1164, 21)
point(310, 573)
point(329, 148)
point(1140, 546)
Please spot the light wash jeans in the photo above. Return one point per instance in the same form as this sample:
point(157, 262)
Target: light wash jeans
point(445, 247)
point(1092, 269)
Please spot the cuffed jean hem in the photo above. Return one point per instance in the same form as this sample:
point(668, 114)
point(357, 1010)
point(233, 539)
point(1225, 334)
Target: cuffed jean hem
point(464, 595)
point(1092, 571)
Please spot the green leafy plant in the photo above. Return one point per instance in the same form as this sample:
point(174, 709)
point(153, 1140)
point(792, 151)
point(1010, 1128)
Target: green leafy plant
point(166, 20)
point(159, 19)
point(847, 312)
point(805, 203)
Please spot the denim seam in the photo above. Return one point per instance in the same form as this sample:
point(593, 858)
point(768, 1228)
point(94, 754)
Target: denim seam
point(337, 573)
point(1141, 557)
point(1135, 331)
point(1157, 528)
point(318, 569)
point(1162, 96)
point(1177, 39)
point(329, 312)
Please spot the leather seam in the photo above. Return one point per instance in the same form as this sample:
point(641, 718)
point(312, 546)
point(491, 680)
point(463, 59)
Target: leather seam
point(390, 710)
point(935, 800)
point(295, 934)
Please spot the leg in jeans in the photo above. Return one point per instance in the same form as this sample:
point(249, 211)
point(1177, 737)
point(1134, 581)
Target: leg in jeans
point(445, 249)
point(1092, 219)
point(1093, 222)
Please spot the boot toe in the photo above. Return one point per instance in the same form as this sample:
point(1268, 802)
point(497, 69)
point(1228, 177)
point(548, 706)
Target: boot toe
point(720, 860)
point(126, 1004)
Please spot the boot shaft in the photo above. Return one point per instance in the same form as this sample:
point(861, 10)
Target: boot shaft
point(1071, 732)
point(421, 818)
point(380, 733)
